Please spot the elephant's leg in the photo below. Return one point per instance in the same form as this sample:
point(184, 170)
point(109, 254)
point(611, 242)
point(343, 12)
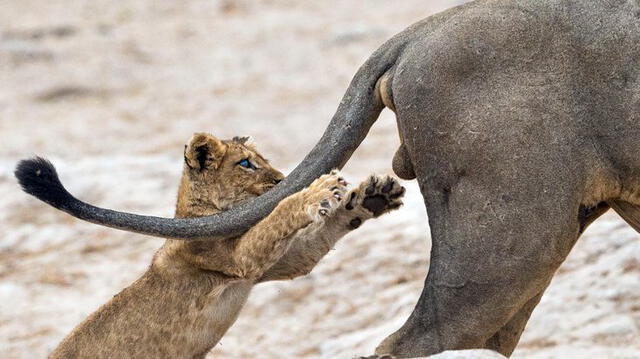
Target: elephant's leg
point(508, 185)
point(506, 339)
point(496, 244)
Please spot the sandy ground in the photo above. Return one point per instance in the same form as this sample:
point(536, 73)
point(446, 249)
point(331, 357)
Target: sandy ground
point(110, 91)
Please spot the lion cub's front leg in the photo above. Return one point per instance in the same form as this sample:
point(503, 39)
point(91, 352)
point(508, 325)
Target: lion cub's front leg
point(372, 198)
point(264, 244)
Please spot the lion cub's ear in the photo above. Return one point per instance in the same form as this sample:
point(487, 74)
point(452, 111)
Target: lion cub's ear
point(245, 140)
point(203, 152)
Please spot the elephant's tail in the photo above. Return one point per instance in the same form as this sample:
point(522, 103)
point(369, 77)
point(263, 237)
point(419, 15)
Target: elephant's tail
point(359, 109)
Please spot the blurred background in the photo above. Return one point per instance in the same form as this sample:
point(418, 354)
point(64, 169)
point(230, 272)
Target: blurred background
point(111, 90)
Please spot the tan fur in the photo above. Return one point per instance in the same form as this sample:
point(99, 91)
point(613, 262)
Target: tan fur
point(383, 91)
point(194, 290)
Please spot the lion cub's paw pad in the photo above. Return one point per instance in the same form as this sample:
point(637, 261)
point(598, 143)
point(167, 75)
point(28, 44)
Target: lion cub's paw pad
point(378, 195)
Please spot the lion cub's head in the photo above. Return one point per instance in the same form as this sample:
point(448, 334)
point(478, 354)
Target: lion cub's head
point(220, 174)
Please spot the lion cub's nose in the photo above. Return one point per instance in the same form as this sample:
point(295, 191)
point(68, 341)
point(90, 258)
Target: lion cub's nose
point(277, 180)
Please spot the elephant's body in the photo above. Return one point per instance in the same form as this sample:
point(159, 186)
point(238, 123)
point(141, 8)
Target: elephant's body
point(519, 119)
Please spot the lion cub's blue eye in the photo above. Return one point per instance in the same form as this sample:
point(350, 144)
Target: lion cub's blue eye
point(245, 163)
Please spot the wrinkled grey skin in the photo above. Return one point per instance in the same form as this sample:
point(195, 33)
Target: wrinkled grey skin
point(520, 121)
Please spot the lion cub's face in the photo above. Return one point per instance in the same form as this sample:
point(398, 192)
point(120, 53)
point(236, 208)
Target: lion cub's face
point(220, 174)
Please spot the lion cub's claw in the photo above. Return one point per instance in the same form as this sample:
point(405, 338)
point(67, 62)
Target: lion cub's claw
point(324, 195)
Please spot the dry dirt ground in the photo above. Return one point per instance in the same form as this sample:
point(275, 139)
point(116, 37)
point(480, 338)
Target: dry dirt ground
point(110, 91)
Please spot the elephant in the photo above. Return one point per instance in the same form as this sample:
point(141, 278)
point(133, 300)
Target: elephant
point(519, 119)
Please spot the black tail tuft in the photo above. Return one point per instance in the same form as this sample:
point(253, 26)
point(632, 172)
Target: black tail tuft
point(38, 177)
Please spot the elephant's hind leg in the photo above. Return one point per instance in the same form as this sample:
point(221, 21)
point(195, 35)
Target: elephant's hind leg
point(629, 212)
point(506, 339)
point(496, 244)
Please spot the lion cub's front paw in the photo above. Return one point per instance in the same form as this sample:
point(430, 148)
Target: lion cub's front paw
point(323, 196)
point(377, 195)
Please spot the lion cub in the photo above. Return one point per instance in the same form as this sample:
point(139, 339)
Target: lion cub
point(193, 290)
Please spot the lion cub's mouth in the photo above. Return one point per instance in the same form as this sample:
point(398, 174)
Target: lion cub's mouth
point(259, 189)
